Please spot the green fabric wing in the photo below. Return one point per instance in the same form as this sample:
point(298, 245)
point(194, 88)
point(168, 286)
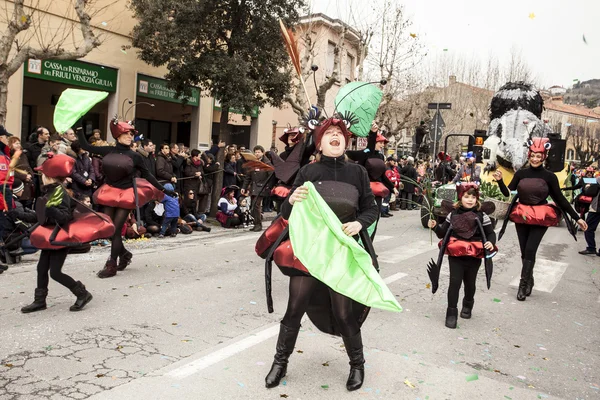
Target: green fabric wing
point(334, 258)
point(363, 100)
point(74, 104)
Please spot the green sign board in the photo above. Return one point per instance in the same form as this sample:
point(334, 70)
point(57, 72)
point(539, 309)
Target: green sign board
point(74, 73)
point(156, 88)
point(253, 113)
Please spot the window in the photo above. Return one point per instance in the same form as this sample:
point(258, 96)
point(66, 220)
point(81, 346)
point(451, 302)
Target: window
point(330, 58)
point(349, 68)
point(570, 154)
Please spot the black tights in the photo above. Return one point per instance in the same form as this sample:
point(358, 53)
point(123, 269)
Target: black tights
point(52, 261)
point(118, 216)
point(301, 289)
point(462, 270)
point(530, 237)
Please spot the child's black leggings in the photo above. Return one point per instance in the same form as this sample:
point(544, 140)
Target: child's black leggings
point(52, 261)
point(462, 270)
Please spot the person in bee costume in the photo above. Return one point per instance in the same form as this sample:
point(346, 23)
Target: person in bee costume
point(468, 237)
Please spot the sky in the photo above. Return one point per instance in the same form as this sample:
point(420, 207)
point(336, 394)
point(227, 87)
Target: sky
point(549, 33)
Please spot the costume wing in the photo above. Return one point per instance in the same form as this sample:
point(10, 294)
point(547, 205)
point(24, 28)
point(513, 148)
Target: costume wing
point(269, 267)
point(74, 104)
point(361, 99)
point(507, 216)
point(489, 264)
point(433, 268)
point(570, 226)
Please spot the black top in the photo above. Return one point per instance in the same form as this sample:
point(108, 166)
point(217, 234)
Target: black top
point(327, 175)
point(465, 227)
point(373, 160)
point(528, 178)
point(120, 168)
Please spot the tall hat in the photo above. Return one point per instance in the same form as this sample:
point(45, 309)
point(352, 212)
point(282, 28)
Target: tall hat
point(539, 145)
point(57, 166)
point(118, 128)
point(295, 133)
point(463, 188)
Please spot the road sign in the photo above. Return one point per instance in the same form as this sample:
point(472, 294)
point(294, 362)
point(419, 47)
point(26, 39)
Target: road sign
point(439, 106)
point(438, 121)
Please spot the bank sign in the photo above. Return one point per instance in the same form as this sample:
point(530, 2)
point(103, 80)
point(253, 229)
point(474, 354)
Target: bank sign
point(155, 88)
point(75, 73)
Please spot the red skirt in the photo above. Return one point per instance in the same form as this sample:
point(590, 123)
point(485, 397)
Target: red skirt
point(379, 189)
point(110, 196)
point(269, 237)
point(84, 228)
point(542, 215)
point(287, 262)
point(465, 248)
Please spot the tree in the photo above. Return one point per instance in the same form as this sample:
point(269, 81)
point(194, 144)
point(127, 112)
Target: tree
point(232, 49)
point(28, 36)
point(586, 142)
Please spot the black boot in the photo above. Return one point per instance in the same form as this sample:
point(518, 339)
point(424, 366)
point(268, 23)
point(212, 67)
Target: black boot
point(466, 309)
point(39, 301)
point(3, 268)
point(110, 269)
point(83, 297)
point(124, 260)
point(530, 281)
point(285, 346)
point(354, 348)
point(526, 272)
point(204, 228)
point(451, 317)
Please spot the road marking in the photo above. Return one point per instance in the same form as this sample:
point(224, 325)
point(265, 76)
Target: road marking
point(223, 353)
point(240, 238)
point(228, 351)
point(394, 278)
point(547, 274)
point(402, 253)
point(379, 239)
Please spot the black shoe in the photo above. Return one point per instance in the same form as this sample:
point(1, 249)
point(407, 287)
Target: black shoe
point(354, 348)
point(83, 297)
point(3, 268)
point(204, 228)
point(526, 273)
point(451, 317)
point(530, 282)
point(257, 228)
point(466, 309)
point(124, 260)
point(384, 216)
point(587, 252)
point(39, 302)
point(285, 346)
point(110, 270)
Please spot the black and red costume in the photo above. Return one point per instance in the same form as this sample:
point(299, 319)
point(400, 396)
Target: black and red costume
point(464, 233)
point(122, 190)
point(531, 212)
point(346, 189)
point(61, 226)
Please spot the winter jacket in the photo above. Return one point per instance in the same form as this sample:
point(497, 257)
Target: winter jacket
point(230, 171)
point(149, 160)
point(164, 168)
point(33, 152)
point(22, 169)
point(98, 172)
point(595, 206)
point(257, 182)
point(192, 183)
point(83, 171)
point(226, 207)
point(150, 217)
point(171, 204)
point(190, 206)
point(59, 207)
point(408, 177)
point(6, 179)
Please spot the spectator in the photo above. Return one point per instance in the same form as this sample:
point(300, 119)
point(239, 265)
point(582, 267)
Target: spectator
point(154, 216)
point(408, 178)
point(193, 173)
point(191, 211)
point(164, 167)
point(5, 176)
point(256, 185)
point(24, 173)
point(96, 135)
point(178, 161)
point(83, 175)
point(42, 135)
point(52, 146)
point(69, 137)
point(171, 214)
point(131, 230)
point(147, 151)
point(469, 171)
point(97, 164)
point(243, 211)
point(230, 170)
point(17, 222)
point(227, 207)
point(210, 169)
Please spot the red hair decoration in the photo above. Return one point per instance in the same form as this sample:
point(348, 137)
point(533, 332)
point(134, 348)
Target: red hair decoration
point(463, 188)
point(57, 166)
point(539, 145)
point(381, 138)
point(295, 133)
point(443, 156)
point(119, 128)
point(329, 122)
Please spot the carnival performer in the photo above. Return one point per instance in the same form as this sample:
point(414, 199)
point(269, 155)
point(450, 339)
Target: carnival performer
point(60, 226)
point(532, 214)
point(121, 166)
point(467, 231)
point(346, 194)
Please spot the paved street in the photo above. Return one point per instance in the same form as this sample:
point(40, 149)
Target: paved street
point(188, 320)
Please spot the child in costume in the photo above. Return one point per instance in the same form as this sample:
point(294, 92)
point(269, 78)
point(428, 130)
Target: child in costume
point(468, 236)
point(60, 226)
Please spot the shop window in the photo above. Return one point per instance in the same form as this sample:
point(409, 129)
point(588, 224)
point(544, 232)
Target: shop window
point(26, 127)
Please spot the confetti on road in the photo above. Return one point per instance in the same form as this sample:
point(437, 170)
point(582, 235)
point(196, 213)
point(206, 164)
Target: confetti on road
point(325, 387)
point(521, 377)
point(260, 363)
point(253, 302)
point(410, 385)
point(471, 378)
point(428, 286)
point(531, 16)
point(325, 364)
point(584, 40)
point(240, 384)
point(284, 396)
point(8, 365)
point(497, 300)
point(299, 351)
point(578, 323)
